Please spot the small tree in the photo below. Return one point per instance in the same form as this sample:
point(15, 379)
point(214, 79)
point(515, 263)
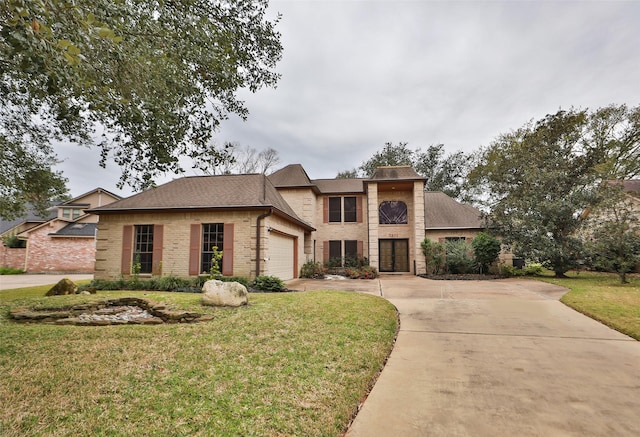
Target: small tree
point(460, 257)
point(614, 232)
point(486, 249)
point(433, 255)
point(216, 257)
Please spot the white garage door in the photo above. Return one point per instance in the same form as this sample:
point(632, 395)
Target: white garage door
point(280, 256)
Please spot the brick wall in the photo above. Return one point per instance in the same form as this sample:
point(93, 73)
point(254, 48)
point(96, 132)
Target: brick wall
point(13, 258)
point(176, 236)
point(60, 254)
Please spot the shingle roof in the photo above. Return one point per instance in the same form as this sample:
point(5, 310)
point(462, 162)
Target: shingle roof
point(293, 175)
point(206, 192)
point(444, 212)
point(327, 186)
point(30, 217)
point(77, 230)
point(632, 186)
point(395, 173)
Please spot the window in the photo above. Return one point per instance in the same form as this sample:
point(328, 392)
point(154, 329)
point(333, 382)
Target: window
point(454, 239)
point(212, 236)
point(71, 213)
point(335, 210)
point(335, 251)
point(350, 251)
point(393, 212)
point(350, 209)
point(143, 248)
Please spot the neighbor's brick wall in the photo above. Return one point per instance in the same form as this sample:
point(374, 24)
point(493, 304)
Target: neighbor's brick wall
point(46, 254)
point(176, 237)
point(13, 258)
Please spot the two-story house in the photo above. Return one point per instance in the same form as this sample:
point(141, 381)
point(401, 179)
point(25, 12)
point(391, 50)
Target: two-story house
point(271, 225)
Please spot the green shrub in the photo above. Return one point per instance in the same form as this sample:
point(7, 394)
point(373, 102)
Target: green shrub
point(434, 255)
point(486, 250)
point(10, 271)
point(239, 279)
point(268, 283)
point(312, 270)
point(460, 259)
point(533, 269)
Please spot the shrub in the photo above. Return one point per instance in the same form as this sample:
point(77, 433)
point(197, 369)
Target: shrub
point(459, 258)
point(433, 255)
point(486, 249)
point(533, 269)
point(13, 242)
point(10, 271)
point(312, 270)
point(268, 283)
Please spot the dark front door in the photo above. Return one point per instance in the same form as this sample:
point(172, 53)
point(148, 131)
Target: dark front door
point(394, 255)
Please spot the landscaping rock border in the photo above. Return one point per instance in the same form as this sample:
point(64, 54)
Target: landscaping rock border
point(121, 311)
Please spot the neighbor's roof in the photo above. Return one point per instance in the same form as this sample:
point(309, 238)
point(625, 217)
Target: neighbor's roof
point(632, 186)
point(77, 230)
point(248, 191)
point(444, 212)
point(30, 217)
point(396, 173)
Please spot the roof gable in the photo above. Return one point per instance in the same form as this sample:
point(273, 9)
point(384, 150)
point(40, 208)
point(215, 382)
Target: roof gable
point(293, 175)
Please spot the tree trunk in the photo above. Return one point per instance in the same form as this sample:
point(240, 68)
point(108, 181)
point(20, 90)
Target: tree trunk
point(623, 278)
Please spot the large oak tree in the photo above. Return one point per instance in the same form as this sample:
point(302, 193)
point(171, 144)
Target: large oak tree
point(147, 82)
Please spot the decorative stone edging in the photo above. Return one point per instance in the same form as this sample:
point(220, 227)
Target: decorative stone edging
point(122, 311)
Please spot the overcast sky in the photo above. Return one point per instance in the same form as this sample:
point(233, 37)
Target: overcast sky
point(357, 74)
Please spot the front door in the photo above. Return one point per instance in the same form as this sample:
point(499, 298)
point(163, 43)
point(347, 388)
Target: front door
point(394, 255)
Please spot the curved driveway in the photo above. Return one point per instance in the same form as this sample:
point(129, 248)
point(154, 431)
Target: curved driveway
point(498, 358)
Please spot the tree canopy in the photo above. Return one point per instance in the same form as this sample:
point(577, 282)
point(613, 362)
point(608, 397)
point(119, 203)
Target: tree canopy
point(443, 172)
point(542, 177)
point(147, 82)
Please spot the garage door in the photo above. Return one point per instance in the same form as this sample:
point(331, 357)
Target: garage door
point(281, 252)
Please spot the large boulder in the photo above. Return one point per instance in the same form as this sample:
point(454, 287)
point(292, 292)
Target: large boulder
point(64, 286)
point(224, 294)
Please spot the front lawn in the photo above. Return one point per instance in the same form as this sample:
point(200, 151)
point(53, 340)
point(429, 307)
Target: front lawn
point(288, 364)
point(602, 297)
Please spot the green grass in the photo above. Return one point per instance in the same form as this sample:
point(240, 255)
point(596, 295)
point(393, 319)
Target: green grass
point(287, 364)
point(10, 271)
point(602, 297)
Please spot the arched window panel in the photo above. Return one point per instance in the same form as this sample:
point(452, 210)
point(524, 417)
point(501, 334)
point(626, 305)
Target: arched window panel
point(393, 212)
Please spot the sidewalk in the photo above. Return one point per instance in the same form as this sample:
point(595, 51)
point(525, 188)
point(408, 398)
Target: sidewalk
point(29, 280)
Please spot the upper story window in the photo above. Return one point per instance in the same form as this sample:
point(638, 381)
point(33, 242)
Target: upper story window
point(71, 213)
point(343, 209)
point(393, 212)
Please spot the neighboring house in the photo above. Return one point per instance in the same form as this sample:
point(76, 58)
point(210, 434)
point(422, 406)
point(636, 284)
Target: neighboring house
point(271, 225)
point(63, 243)
point(13, 255)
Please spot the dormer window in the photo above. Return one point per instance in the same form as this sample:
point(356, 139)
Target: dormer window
point(71, 213)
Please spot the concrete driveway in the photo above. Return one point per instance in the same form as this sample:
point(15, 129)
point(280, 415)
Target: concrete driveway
point(494, 358)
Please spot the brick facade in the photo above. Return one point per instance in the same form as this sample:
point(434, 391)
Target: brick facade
point(46, 254)
point(12, 257)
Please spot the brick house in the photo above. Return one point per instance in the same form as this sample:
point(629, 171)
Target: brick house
point(63, 242)
point(271, 225)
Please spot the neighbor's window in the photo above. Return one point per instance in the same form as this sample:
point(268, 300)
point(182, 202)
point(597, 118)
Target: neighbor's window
point(393, 212)
point(143, 250)
point(71, 213)
point(335, 209)
point(212, 235)
point(350, 209)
